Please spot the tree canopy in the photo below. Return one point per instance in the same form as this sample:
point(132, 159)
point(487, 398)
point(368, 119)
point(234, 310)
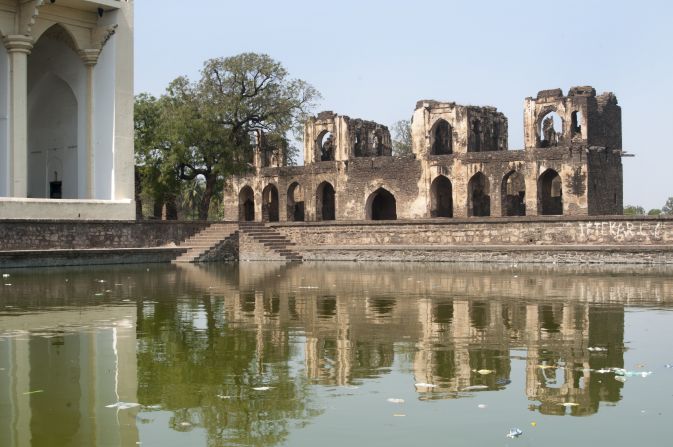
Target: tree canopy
point(205, 130)
point(402, 138)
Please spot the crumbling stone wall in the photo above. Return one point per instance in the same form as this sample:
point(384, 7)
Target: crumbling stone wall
point(460, 165)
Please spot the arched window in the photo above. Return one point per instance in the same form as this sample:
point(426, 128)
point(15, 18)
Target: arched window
point(326, 146)
point(381, 205)
point(441, 138)
point(513, 192)
point(57, 161)
point(479, 199)
point(550, 129)
point(576, 124)
point(325, 202)
point(550, 193)
point(270, 204)
point(246, 204)
point(295, 203)
point(441, 197)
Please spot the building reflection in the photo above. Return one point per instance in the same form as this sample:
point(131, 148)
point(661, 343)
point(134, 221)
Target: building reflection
point(194, 343)
point(63, 368)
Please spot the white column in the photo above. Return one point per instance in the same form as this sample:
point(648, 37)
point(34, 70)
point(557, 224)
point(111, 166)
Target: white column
point(90, 58)
point(18, 47)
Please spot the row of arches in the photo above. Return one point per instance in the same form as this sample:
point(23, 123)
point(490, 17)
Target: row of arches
point(382, 205)
point(512, 191)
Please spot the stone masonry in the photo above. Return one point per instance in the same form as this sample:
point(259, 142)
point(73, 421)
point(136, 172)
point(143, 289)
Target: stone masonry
point(460, 167)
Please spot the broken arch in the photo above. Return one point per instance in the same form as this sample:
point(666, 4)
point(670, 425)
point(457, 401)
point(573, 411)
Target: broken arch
point(513, 194)
point(479, 198)
point(325, 202)
point(441, 197)
point(270, 204)
point(550, 193)
point(246, 204)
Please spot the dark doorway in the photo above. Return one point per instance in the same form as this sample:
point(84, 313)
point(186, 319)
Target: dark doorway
point(441, 198)
point(326, 146)
point(513, 192)
point(325, 202)
point(381, 205)
point(479, 200)
point(270, 204)
point(246, 204)
point(550, 193)
point(295, 203)
point(441, 138)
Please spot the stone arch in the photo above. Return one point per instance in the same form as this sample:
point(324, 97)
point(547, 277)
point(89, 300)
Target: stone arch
point(479, 196)
point(325, 202)
point(513, 194)
point(53, 140)
point(550, 193)
point(295, 203)
point(246, 204)
point(325, 146)
point(62, 32)
point(441, 138)
point(270, 207)
point(381, 205)
point(441, 197)
point(549, 127)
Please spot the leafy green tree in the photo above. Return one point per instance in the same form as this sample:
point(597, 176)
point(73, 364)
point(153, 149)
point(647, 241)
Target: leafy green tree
point(632, 210)
point(668, 206)
point(654, 212)
point(206, 129)
point(402, 138)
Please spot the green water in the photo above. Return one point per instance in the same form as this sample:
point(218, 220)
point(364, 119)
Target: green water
point(333, 354)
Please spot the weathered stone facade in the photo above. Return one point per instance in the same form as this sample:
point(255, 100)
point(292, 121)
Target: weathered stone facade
point(460, 167)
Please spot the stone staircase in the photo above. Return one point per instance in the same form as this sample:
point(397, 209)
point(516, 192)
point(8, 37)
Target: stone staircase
point(271, 239)
point(201, 244)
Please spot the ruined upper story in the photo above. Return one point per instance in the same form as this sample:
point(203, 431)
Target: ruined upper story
point(332, 137)
point(438, 129)
point(445, 128)
point(580, 117)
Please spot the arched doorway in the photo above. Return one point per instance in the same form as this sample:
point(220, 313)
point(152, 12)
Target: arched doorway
point(381, 205)
point(441, 141)
point(441, 197)
point(270, 204)
point(325, 202)
point(246, 204)
point(513, 191)
point(550, 193)
point(326, 146)
point(57, 153)
point(295, 203)
point(550, 129)
point(479, 198)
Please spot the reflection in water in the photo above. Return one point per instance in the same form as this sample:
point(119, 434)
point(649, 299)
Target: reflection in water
point(233, 353)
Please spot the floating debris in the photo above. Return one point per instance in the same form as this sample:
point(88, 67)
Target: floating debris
point(8, 285)
point(123, 405)
point(425, 385)
point(399, 415)
point(597, 349)
point(262, 388)
point(484, 372)
point(482, 406)
point(569, 404)
point(545, 366)
point(33, 392)
point(533, 424)
point(475, 388)
point(308, 287)
point(620, 379)
point(395, 400)
point(514, 433)
point(223, 397)
point(152, 407)
point(5, 275)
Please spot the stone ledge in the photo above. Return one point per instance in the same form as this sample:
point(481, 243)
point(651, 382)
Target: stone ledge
point(498, 248)
point(88, 256)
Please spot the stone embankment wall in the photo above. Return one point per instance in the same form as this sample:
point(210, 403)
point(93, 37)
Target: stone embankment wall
point(606, 240)
point(612, 230)
point(59, 234)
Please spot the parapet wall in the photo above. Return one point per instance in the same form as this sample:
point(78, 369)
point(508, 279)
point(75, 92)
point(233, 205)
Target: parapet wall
point(539, 231)
point(71, 235)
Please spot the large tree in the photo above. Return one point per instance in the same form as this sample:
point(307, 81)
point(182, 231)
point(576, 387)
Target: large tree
point(668, 206)
point(208, 127)
point(402, 138)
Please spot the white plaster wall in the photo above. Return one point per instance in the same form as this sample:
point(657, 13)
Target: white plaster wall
point(4, 123)
point(104, 122)
point(54, 59)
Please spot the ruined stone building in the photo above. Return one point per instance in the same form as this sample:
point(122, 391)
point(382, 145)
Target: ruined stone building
point(460, 167)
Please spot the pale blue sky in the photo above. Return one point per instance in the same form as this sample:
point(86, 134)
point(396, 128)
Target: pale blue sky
point(375, 59)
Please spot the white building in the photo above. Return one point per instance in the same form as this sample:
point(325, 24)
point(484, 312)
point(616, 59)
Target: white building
point(66, 109)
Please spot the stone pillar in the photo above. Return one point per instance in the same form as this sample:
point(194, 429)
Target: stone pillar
point(90, 58)
point(18, 47)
